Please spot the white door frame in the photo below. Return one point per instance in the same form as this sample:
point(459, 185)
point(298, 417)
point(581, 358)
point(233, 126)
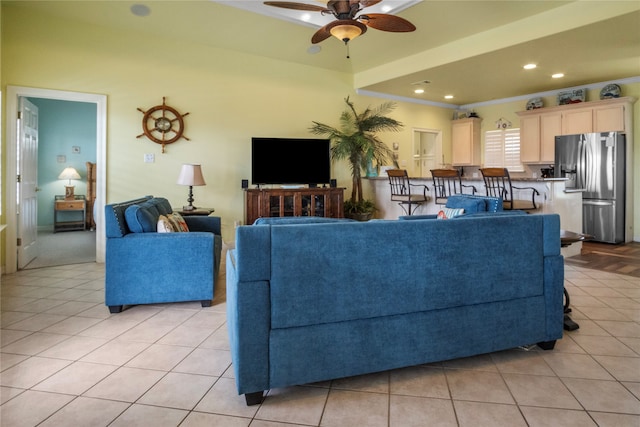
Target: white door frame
point(13, 93)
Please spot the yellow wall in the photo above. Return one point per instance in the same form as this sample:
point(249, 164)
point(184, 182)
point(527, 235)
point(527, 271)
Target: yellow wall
point(230, 97)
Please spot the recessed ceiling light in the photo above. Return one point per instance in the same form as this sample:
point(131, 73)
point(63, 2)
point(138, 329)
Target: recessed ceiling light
point(557, 75)
point(140, 10)
point(306, 17)
point(529, 66)
point(448, 97)
point(418, 91)
point(313, 49)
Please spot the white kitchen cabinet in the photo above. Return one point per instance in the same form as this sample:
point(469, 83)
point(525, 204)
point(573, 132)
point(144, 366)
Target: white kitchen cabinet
point(537, 137)
point(577, 121)
point(538, 128)
point(465, 142)
point(609, 118)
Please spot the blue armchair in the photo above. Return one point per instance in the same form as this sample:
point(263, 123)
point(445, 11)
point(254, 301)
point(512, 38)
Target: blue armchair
point(146, 267)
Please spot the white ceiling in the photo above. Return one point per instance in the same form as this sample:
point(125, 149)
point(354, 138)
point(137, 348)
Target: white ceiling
point(472, 49)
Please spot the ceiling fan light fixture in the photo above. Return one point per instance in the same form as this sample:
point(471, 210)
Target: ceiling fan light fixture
point(346, 29)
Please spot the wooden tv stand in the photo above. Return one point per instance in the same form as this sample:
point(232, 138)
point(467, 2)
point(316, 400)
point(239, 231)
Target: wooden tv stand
point(277, 202)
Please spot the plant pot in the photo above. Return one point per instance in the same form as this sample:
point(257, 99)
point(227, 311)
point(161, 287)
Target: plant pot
point(360, 216)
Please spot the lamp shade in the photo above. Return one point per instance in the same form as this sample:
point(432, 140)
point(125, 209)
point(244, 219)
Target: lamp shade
point(191, 175)
point(346, 29)
point(69, 173)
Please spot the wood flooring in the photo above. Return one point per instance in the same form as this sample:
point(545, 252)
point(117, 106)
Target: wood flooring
point(621, 258)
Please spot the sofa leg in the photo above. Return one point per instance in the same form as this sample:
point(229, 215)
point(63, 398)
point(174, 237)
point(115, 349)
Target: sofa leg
point(547, 345)
point(254, 398)
point(206, 303)
point(115, 309)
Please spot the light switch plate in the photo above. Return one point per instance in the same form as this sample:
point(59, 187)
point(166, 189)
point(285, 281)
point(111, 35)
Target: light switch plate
point(149, 158)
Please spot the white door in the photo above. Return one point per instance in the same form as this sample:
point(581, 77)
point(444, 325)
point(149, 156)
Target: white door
point(27, 167)
point(427, 151)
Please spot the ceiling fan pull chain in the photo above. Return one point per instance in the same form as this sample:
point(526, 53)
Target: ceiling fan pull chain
point(347, 45)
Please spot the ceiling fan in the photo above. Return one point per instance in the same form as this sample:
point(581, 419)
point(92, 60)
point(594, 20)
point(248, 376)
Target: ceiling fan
point(348, 24)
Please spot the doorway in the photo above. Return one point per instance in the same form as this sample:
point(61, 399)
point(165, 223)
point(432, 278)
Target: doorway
point(14, 93)
point(427, 151)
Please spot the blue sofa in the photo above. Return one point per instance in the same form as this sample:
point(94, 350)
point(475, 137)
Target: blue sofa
point(310, 302)
point(471, 204)
point(143, 266)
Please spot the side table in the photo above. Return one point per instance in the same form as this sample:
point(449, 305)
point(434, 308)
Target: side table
point(197, 211)
point(76, 207)
point(568, 238)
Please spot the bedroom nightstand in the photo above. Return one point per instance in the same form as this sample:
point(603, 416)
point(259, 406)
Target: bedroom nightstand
point(76, 208)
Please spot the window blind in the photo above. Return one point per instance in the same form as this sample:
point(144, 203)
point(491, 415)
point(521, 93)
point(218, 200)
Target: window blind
point(502, 149)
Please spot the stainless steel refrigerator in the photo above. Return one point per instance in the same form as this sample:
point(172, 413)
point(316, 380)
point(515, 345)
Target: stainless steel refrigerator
point(594, 164)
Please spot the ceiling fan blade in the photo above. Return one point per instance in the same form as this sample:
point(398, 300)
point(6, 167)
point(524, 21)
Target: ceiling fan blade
point(297, 6)
point(367, 3)
point(383, 22)
point(321, 35)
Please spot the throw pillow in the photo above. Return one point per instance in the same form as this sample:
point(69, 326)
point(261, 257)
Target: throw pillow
point(447, 213)
point(142, 218)
point(453, 212)
point(179, 223)
point(164, 225)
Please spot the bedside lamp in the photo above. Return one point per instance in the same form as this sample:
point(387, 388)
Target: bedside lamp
point(190, 175)
point(69, 173)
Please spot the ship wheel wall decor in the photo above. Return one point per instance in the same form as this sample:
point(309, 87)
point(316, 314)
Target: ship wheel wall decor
point(162, 124)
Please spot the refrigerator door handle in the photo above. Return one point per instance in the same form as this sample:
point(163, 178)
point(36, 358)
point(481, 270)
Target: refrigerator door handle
point(575, 190)
point(597, 202)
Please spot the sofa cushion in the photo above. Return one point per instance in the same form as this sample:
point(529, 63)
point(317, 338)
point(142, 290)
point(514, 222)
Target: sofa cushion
point(142, 218)
point(162, 205)
point(115, 221)
point(447, 213)
point(473, 204)
point(178, 222)
point(164, 225)
point(365, 286)
point(470, 205)
point(494, 214)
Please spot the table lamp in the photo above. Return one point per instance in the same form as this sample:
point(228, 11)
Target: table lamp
point(69, 173)
point(190, 175)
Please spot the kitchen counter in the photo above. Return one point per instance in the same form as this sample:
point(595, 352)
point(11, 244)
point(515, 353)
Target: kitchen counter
point(552, 199)
point(478, 178)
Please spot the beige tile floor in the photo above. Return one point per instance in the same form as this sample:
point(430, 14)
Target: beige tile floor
point(65, 361)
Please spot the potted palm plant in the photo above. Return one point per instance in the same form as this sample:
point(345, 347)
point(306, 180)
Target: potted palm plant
point(356, 141)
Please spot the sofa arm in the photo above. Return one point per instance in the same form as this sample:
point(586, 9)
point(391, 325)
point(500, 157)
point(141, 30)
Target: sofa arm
point(204, 223)
point(210, 224)
point(143, 268)
point(248, 323)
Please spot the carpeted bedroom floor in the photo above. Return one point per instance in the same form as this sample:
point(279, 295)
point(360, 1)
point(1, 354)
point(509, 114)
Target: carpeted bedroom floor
point(63, 248)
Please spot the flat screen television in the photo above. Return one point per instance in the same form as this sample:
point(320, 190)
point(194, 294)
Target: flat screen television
point(290, 161)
